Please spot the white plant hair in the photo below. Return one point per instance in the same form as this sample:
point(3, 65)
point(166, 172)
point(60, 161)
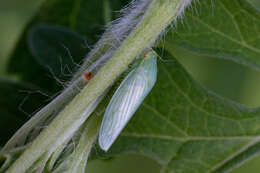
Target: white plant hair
point(118, 30)
point(74, 113)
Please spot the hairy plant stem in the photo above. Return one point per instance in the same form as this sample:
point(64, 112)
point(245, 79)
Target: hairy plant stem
point(19, 138)
point(158, 16)
point(86, 141)
point(60, 130)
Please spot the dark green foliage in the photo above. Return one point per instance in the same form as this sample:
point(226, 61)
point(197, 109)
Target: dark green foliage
point(18, 102)
point(183, 126)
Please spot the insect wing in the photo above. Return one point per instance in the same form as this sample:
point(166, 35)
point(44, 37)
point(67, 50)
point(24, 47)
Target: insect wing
point(126, 100)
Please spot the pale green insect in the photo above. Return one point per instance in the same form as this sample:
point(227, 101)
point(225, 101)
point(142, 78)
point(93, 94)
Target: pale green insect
point(127, 98)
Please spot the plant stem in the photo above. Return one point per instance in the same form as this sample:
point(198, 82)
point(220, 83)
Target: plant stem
point(114, 35)
point(158, 16)
point(83, 149)
point(19, 138)
point(61, 129)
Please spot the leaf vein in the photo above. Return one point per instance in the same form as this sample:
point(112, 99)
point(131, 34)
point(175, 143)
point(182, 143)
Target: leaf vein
point(226, 36)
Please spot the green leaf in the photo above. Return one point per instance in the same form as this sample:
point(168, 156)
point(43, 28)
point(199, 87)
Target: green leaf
point(17, 103)
point(57, 48)
point(181, 125)
point(188, 129)
point(86, 17)
point(226, 29)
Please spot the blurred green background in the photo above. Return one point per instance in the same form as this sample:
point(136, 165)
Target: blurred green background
point(226, 78)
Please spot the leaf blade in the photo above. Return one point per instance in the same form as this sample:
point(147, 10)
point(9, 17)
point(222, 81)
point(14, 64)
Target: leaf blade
point(196, 131)
point(220, 29)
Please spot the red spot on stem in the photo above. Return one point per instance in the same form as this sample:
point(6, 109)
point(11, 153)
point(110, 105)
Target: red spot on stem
point(87, 76)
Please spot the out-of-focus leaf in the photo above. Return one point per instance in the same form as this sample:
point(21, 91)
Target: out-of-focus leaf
point(181, 125)
point(85, 17)
point(54, 47)
point(17, 103)
point(227, 29)
point(189, 129)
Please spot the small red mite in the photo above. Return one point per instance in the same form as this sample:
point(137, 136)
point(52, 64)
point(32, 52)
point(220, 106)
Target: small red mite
point(87, 76)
